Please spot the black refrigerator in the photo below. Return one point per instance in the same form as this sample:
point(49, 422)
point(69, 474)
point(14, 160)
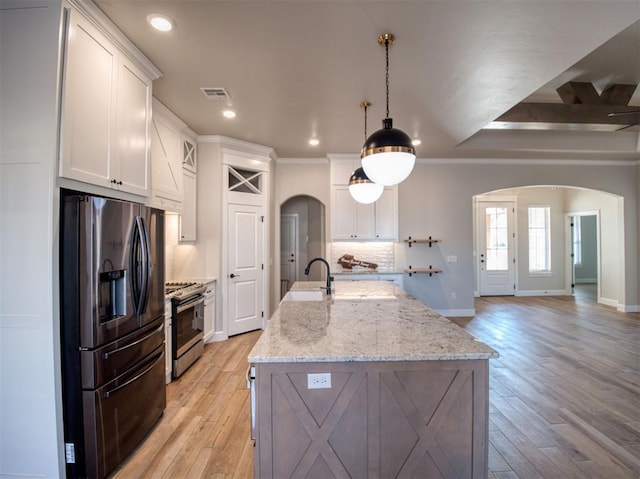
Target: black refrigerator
point(112, 329)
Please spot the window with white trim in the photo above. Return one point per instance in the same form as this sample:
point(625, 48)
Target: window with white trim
point(539, 239)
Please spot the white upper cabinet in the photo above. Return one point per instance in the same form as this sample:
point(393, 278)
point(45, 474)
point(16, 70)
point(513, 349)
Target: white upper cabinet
point(386, 213)
point(106, 104)
point(167, 191)
point(341, 170)
point(188, 215)
point(189, 155)
point(351, 220)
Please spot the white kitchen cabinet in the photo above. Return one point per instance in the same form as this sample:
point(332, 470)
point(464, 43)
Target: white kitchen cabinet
point(386, 214)
point(189, 154)
point(209, 311)
point(351, 220)
point(189, 171)
point(188, 215)
point(106, 106)
point(395, 278)
point(342, 168)
point(167, 184)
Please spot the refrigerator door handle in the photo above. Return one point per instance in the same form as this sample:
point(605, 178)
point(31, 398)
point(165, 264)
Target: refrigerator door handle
point(140, 265)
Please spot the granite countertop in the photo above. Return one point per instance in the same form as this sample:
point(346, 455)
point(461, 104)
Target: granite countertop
point(362, 270)
point(363, 321)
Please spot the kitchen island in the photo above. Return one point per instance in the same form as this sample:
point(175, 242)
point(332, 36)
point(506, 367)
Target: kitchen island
point(368, 383)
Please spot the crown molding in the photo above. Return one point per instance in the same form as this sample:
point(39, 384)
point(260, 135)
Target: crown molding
point(91, 11)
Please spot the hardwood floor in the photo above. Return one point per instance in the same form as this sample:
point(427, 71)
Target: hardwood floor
point(564, 397)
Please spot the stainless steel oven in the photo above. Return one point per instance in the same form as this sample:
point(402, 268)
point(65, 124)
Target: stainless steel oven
point(187, 318)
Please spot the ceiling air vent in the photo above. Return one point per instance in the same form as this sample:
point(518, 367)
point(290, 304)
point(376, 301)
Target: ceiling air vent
point(216, 93)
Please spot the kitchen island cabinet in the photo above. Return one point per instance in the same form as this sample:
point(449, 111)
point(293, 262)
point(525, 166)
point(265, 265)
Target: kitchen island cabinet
point(368, 383)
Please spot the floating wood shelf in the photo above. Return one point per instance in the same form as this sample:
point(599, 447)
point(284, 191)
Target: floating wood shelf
point(430, 270)
point(429, 240)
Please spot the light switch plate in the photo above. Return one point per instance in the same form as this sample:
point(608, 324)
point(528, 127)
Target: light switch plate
point(319, 381)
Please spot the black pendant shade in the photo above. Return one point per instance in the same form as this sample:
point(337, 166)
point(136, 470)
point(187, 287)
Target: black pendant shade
point(387, 139)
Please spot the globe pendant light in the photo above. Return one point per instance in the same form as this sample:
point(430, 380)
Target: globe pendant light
point(388, 155)
point(361, 188)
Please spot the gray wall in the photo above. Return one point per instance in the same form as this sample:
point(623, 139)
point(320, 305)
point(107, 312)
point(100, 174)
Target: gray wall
point(437, 200)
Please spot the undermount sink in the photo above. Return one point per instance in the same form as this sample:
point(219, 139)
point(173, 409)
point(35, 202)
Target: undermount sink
point(303, 295)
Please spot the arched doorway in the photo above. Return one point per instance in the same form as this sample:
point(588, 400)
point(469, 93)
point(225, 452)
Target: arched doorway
point(302, 238)
point(557, 208)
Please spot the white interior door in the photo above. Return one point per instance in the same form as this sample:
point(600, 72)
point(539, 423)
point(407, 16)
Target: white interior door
point(289, 248)
point(496, 248)
point(245, 268)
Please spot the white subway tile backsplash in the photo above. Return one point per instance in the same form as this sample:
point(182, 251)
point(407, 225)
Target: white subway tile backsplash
point(381, 253)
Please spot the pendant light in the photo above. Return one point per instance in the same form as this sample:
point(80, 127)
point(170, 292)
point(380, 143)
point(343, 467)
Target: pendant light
point(361, 188)
point(388, 155)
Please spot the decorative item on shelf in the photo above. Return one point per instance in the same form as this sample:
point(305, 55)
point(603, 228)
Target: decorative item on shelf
point(430, 270)
point(388, 155)
point(361, 188)
point(429, 240)
point(347, 261)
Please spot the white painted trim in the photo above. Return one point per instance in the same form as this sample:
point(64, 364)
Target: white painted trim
point(634, 308)
point(543, 292)
point(569, 272)
point(217, 337)
point(302, 161)
point(343, 156)
point(609, 302)
point(244, 146)
point(164, 111)
point(457, 313)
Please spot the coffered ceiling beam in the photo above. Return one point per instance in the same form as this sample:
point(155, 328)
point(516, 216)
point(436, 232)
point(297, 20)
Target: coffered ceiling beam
point(574, 93)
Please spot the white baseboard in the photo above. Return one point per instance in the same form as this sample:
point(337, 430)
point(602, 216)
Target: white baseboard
point(543, 292)
point(609, 302)
point(457, 313)
point(216, 337)
point(629, 308)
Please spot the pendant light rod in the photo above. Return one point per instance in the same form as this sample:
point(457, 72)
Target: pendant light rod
point(387, 155)
point(365, 105)
point(385, 40)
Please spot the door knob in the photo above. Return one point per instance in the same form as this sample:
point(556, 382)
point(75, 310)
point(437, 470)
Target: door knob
point(234, 275)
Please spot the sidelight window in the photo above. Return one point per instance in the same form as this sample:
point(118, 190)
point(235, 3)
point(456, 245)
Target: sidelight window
point(539, 239)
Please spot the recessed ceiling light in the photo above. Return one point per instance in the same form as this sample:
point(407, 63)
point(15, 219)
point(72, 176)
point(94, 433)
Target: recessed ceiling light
point(229, 114)
point(314, 142)
point(416, 142)
point(161, 22)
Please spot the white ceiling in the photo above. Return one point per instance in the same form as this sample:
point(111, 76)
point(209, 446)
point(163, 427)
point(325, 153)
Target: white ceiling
point(300, 68)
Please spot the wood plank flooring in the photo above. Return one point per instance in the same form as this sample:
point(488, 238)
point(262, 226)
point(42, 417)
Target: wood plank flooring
point(564, 397)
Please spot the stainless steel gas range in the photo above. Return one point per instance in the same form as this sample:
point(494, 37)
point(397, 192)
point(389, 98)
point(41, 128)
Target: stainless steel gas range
point(187, 323)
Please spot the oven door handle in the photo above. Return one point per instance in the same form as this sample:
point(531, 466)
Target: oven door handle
point(184, 306)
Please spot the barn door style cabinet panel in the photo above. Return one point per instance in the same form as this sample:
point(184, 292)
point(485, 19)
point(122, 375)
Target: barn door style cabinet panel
point(373, 419)
point(104, 138)
point(167, 182)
